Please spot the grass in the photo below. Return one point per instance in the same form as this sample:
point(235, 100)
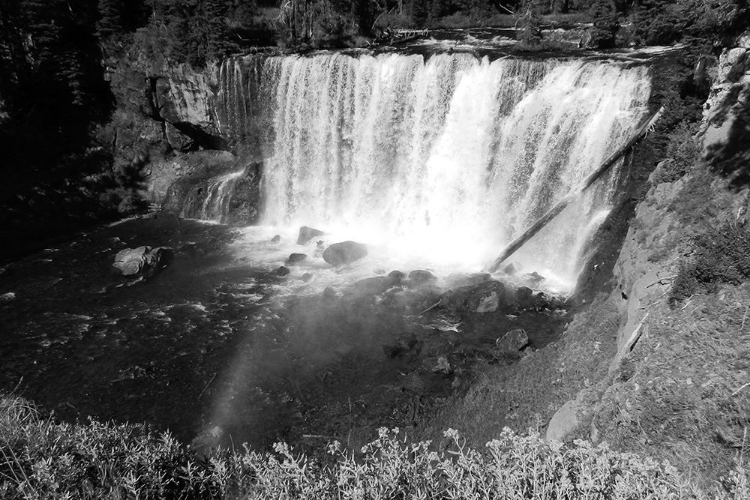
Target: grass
point(40, 458)
point(683, 395)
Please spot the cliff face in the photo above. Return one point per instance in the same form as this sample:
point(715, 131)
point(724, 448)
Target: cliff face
point(167, 127)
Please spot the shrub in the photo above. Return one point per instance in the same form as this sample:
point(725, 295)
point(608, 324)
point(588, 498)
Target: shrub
point(43, 459)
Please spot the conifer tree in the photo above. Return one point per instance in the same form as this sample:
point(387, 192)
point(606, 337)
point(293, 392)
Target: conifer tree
point(605, 27)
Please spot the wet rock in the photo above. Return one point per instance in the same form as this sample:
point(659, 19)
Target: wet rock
point(343, 253)
point(374, 286)
point(488, 304)
point(144, 261)
point(419, 277)
point(512, 342)
point(468, 298)
point(276, 239)
point(525, 297)
point(329, 293)
point(306, 277)
point(7, 297)
point(295, 258)
point(510, 270)
point(307, 233)
point(397, 275)
point(282, 271)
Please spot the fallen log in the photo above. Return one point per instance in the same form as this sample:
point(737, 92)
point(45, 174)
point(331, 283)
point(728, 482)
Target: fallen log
point(575, 193)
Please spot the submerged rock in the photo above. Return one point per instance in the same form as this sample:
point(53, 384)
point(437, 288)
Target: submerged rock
point(145, 260)
point(308, 233)
point(343, 253)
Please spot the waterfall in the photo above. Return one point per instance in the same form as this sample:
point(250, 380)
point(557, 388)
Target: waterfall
point(447, 158)
point(211, 200)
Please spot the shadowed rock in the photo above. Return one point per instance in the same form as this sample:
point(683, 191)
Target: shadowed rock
point(295, 258)
point(144, 261)
point(469, 298)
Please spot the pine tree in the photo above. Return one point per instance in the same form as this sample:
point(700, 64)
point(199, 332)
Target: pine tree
point(110, 23)
point(605, 27)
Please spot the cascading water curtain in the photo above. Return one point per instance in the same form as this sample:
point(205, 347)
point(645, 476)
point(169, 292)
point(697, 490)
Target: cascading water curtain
point(448, 158)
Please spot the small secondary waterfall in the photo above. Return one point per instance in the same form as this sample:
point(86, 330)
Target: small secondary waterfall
point(447, 159)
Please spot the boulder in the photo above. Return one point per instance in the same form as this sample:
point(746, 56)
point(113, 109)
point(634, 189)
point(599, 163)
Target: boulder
point(525, 297)
point(307, 233)
point(343, 253)
point(419, 277)
point(512, 342)
point(276, 239)
point(306, 277)
point(374, 286)
point(144, 261)
point(469, 298)
point(295, 258)
point(282, 271)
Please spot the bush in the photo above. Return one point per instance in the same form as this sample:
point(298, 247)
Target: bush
point(44, 459)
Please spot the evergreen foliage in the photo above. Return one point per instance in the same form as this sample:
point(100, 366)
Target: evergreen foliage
point(604, 17)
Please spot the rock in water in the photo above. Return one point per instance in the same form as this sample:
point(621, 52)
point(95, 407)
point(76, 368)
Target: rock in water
point(276, 239)
point(282, 271)
point(142, 260)
point(420, 277)
point(345, 252)
point(295, 258)
point(512, 342)
point(307, 233)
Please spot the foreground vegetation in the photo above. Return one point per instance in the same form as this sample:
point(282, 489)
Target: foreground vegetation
point(40, 458)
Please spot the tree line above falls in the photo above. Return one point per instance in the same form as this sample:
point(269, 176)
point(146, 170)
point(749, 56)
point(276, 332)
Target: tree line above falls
point(55, 99)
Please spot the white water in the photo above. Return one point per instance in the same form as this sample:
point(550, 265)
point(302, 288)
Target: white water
point(440, 164)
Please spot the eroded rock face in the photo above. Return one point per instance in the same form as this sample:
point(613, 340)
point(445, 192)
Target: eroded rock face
point(343, 253)
point(141, 261)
